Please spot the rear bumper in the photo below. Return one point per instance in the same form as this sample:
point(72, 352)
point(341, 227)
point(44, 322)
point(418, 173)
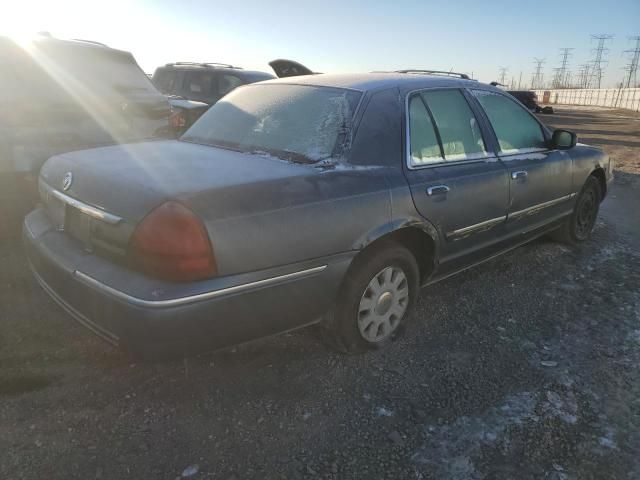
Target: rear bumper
point(153, 319)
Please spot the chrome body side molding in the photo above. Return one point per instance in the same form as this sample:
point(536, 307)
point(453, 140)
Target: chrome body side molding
point(478, 227)
point(540, 206)
point(175, 302)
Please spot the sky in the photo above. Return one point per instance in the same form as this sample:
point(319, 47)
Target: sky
point(475, 37)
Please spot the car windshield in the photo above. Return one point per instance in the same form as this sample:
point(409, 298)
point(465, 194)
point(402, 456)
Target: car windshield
point(294, 122)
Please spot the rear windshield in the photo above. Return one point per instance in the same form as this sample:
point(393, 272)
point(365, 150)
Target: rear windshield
point(294, 122)
point(166, 80)
point(57, 72)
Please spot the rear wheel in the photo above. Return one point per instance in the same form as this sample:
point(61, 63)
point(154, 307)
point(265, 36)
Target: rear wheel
point(374, 301)
point(579, 225)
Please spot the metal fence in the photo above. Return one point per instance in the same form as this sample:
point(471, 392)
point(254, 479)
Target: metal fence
point(628, 98)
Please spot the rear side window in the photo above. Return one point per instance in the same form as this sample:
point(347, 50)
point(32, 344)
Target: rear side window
point(443, 127)
point(228, 83)
point(458, 128)
point(424, 142)
point(200, 83)
point(515, 127)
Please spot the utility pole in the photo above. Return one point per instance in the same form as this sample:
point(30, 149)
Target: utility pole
point(632, 66)
point(536, 79)
point(503, 75)
point(560, 77)
point(598, 63)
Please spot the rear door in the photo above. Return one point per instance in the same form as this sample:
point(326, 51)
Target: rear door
point(456, 181)
point(540, 178)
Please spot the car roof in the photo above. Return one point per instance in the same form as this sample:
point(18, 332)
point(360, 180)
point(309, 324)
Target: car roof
point(380, 80)
point(212, 66)
point(64, 43)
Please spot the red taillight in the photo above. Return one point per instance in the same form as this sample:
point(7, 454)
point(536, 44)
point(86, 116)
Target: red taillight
point(177, 119)
point(172, 243)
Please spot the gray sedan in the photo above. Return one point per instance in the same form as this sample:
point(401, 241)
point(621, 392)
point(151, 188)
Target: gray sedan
point(322, 199)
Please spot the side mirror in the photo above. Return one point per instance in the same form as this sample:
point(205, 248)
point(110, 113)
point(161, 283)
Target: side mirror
point(563, 139)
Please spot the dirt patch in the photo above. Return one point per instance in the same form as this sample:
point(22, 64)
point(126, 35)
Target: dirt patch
point(17, 384)
point(614, 130)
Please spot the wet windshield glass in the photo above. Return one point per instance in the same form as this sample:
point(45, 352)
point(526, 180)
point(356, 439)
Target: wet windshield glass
point(294, 122)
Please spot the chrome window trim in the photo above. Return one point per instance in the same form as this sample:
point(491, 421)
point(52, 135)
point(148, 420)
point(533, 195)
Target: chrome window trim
point(540, 206)
point(176, 302)
point(488, 157)
point(85, 208)
point(522, 151)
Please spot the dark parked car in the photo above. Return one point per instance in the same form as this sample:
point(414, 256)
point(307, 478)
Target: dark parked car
point(530, 100)
point(59, 95)
point(326, 198)
point(201, 82)
point(193, 87)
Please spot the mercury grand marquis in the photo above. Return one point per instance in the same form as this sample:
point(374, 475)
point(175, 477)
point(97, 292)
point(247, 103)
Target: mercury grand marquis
point(325, 199)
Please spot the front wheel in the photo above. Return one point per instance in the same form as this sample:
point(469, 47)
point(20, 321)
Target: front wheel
point(374, 300)
point(579, 225)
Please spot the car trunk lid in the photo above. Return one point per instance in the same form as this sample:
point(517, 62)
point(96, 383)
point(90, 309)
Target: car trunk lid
point(125, 182)
point(288, 68)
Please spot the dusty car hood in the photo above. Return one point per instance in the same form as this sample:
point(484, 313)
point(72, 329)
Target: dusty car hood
point(130, 180)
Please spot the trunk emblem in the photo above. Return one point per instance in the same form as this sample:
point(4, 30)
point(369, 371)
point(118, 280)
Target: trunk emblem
point(67, 181)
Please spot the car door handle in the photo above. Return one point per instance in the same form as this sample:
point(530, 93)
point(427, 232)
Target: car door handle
point(437, 190)
point(518, 174)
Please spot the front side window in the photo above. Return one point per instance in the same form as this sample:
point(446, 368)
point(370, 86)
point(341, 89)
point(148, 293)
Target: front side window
point(295, 122)
point(516, 129)
point(443, 127)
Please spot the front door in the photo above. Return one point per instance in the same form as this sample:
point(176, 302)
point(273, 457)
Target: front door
point(539, 178)
point(456, 182)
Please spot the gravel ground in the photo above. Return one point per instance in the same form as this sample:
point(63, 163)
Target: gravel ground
point(525, 367)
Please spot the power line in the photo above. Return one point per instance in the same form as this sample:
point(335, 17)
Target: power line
point(598, 63)
point(632, 66)
point(536, 78)
point(562, 72)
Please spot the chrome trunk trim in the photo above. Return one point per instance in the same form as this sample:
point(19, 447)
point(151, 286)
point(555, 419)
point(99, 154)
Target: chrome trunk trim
point(85, 208)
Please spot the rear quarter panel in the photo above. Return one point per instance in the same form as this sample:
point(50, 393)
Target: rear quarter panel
point(291, 220)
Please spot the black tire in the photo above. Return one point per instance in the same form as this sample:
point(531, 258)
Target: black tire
point(341, 327)
point(578, 226)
